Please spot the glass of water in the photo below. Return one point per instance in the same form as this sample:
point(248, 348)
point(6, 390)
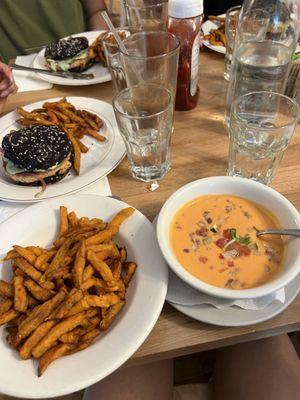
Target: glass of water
point(231, 22)
point(147, 15)
point(144, 115)
point(261, 127)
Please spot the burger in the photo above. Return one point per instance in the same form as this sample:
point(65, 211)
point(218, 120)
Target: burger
point(69, 55)
point(37, 154)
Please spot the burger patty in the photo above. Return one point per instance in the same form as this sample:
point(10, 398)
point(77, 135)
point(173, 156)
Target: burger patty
point(32, 177)
point(66, 48)
point(36, 148)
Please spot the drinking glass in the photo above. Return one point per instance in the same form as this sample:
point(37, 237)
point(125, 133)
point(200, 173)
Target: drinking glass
point(231, 21)
point(265, 42)
point(113, 59)
point(151, 57)
point(144, 114)
point(147, 15)
point(261, 127)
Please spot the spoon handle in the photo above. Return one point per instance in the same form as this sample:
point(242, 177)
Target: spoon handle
point(288, 232)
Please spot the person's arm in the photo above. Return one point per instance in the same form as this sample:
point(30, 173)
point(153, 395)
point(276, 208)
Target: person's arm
point(7, 83)
point(92, 9)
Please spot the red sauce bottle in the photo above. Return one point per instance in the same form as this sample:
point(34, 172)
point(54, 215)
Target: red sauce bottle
point(185, 20)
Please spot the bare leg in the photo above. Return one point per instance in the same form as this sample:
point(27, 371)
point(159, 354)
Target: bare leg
point(145, 382)
point(267, 369)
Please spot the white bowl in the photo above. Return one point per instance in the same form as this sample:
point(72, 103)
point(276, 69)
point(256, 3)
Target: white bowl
point(286, 213)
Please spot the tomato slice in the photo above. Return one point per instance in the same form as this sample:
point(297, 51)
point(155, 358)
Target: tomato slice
point(227, 234)
point(221, 242)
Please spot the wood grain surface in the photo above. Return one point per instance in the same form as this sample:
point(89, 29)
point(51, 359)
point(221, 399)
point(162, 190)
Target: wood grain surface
point(199, 149)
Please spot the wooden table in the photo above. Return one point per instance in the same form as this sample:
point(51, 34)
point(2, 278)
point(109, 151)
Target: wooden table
point(199, 149)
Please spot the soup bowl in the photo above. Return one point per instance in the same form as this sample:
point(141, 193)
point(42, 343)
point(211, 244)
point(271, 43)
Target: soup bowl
point(285, 212)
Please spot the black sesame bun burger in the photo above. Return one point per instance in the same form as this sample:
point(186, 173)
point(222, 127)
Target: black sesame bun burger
point(37, 154)
point(68, 55)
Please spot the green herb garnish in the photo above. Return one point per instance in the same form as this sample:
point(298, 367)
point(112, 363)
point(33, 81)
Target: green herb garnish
point(207, 240)
point(244, 240)
point(233, 233)
point(254, 248)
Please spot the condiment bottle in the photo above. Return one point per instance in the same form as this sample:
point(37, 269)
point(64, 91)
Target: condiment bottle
point(185, 20)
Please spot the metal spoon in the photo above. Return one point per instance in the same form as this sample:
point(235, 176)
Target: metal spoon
point(287, 232)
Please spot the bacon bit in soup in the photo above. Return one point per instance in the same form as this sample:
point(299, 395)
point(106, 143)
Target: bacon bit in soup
point(201, 232)
point(207, 217)
point(186, 250)
point(247, 215)
point(203, 260)
point(228, 209)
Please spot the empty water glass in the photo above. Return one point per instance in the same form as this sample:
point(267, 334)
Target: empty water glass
point(231, 22)
point(261, 127)
point(147, 15)
point(151, 57)
point(144, 115)
point(113, 59)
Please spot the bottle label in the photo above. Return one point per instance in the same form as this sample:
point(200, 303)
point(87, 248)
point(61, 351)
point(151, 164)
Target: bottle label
point(195, 65)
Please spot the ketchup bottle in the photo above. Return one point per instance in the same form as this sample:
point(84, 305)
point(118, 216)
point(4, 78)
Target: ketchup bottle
point(185, 20)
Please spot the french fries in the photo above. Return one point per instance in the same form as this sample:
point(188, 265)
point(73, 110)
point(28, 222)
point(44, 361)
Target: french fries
point(216, 37)
point(76, 124)
point(96, 50)
point(60, 299)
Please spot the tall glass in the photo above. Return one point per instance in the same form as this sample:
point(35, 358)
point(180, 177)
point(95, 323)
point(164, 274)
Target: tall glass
point(113, 58)
point(265, 42)
point(144, 115)
point(151, 57)
point(261, 127)
point(231, 21)
point(147, 15)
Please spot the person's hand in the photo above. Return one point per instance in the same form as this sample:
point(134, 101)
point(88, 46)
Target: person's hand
point(7, 83)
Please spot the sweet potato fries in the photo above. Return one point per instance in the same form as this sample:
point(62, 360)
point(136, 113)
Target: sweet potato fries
point(60, 299)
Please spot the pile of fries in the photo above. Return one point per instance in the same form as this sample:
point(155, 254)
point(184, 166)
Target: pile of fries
point(76, 123)
point(96, 49)
point(216, 37)
point(60, 299)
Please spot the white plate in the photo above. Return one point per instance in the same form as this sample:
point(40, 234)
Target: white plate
point(206, 28)
point(98, 162)
point(235, 316)
point(101, 73)
point(145, 299)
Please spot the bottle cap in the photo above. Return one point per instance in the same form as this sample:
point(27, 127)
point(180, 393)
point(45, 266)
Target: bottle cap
point(185, 8)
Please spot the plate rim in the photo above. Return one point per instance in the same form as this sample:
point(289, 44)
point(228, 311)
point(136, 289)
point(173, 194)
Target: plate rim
point(281, 307)
point(78, 385)
point(75, 82)
point(118, 139)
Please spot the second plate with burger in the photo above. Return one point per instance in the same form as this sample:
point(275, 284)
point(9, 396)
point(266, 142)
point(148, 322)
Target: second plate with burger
point(72, 52)
point(48, 152)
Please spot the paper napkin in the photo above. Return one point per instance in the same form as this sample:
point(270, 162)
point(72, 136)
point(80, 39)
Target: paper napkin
point(181, 293)
point(8, 209)
point(28, 81)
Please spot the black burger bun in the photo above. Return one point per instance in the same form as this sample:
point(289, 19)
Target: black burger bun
point(66, 48)
point(37, 147)
point(37, 154)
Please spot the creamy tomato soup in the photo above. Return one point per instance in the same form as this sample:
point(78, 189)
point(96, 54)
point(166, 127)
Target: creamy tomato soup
point(214, 238)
